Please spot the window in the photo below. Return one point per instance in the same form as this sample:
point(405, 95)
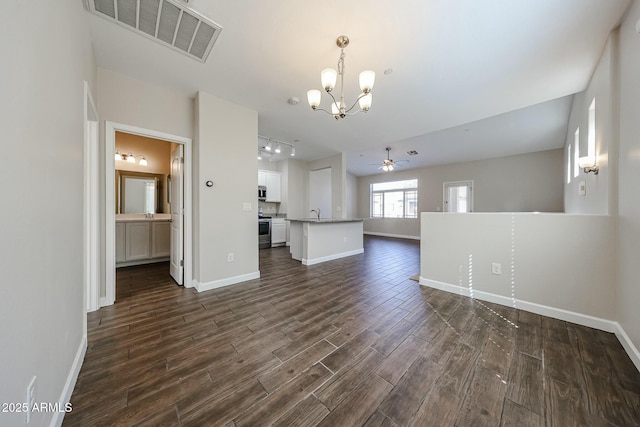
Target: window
point(397, 199)
point(576, 153)
point(569, 164)
point(591, 135)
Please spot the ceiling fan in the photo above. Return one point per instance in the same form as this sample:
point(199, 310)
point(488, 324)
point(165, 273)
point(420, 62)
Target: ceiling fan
point(388, 164)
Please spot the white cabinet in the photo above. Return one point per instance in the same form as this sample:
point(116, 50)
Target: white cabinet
point(137, 241)
point(262, 178)
point(278, 231)
point(141, 242)
point(121, 241)
point(274, 193)
point(272, 181)
point(160, 239)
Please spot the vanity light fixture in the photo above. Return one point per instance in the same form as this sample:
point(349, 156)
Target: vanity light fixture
point(329, 76)
point(588, 164)
point(130, 158)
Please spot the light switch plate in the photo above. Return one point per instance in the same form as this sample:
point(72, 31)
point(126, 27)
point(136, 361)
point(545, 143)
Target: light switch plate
point(582, 188)
point(246, 206)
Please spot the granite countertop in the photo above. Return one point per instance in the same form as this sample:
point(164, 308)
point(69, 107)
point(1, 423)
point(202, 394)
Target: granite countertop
point(142, 217)
point(325, 220)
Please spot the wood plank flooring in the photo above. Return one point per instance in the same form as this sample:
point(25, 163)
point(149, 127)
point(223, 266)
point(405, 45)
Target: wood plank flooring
point(352, 342)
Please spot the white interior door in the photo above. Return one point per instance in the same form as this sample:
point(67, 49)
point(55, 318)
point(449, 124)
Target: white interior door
point(176, 199)
point(458, 196)
point(320, 192)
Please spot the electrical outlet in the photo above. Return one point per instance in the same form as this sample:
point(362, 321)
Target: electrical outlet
point(30, 400)
point(230, 257)
point(496, 268)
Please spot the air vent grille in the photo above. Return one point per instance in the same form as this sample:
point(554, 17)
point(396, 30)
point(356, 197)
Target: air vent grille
point(165, 21)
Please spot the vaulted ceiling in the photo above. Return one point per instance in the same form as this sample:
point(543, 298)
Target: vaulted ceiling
point(470, 79)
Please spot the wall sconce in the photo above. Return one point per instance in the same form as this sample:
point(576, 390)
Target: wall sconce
point(588, 164)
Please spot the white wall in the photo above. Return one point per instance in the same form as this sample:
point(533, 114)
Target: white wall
point(125, 100)
point(599, 197)
point(225, 153)
point(352, 196)
point(628, 290)
point(45, 55)
point(522, 183)
point(551, 259)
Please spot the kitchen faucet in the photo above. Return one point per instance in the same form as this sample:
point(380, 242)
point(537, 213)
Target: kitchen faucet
point(317, 212)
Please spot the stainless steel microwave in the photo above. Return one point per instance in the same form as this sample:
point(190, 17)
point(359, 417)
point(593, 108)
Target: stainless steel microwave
point(262, 193)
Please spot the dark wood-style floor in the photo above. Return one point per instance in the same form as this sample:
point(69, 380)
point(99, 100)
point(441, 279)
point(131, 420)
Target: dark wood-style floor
point(346, 343)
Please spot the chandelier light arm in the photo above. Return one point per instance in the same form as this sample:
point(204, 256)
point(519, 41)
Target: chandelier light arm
point(362, 95)
point(328, 77)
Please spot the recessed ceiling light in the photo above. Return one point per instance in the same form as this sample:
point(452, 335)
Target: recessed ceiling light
point(293, 100)
point(388, 71)
point(412, 152)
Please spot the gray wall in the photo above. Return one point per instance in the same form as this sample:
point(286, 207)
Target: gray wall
point(125, 100)
point(46, 54)
point(628, 290)
point(523, 183)
point(228, 132)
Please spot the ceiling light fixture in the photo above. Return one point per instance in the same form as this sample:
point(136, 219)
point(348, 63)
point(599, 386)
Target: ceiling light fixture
point(329, 77)
point(269, 143)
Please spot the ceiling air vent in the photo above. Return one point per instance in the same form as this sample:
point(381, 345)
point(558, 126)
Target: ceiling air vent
point(169, 22)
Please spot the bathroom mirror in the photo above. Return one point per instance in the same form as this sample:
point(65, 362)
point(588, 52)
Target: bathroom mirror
point(138, 193)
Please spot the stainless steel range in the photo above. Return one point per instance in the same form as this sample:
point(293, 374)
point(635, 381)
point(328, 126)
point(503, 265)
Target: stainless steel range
point(264, 232)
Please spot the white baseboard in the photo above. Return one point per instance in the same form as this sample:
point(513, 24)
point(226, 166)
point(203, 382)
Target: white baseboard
point(331, 257)
point(201, 287)
point(628, 346)
point(397, 236)
point(544, 310)
point(105, 302)
point(70, 384)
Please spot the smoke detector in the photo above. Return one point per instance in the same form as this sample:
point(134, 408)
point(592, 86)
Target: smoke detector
point(168, 22)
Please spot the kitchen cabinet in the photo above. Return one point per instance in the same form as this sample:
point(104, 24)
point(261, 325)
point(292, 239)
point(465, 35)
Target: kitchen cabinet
point(142, 242)
point(278, 232)
point(271, 180)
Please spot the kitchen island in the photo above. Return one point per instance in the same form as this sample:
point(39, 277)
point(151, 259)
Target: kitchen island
point(318, 240)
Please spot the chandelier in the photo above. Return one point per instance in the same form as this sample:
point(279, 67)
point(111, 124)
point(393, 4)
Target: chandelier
point(329, 77)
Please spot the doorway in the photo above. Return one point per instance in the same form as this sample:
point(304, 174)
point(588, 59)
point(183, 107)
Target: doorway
point(320, 192)
point(183, 214)
point(458, 196)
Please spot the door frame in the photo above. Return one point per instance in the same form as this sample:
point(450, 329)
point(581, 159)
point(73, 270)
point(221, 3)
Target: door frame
point(91, 205)
point(467, 183)
point(110, 220)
